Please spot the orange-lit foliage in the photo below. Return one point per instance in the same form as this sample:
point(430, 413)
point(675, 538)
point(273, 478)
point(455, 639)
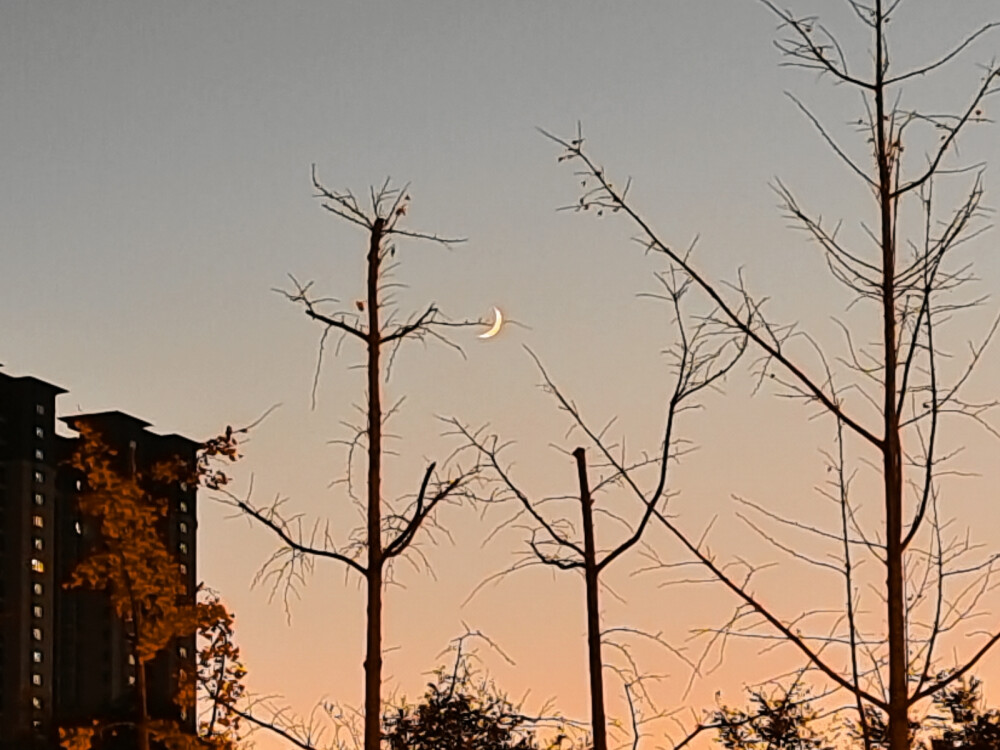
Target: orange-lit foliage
point(131, 562)
point(220, 674)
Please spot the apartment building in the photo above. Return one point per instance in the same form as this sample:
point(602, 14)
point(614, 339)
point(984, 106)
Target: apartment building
point(64, 656)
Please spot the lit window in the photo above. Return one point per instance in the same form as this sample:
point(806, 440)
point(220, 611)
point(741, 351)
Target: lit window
point(78, 484)
point(182, 652)
point(36, 633)
point(78, 527)
point(184, 569)
point(36, 610)
point(39, 454)
point(183, 548)
point(36, 679)
point(39, 498)
point(37, 521)
point(39, 432)
point(37, 543)
point(36, 656)
point(131, 659)
point(40, 410)
point(183, 527)
point(37, 565)
point(36, 702)
point(37, 589)
point(131, 679)
point(39, 478)
point(183, 506)
point(36, 723)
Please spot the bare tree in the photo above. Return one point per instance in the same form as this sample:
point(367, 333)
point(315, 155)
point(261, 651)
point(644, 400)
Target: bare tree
point(901, 381)
point(701, 358)
point(390, 529)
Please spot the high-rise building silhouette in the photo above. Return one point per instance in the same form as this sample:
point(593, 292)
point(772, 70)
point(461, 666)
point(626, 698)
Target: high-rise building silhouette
point(64, 655)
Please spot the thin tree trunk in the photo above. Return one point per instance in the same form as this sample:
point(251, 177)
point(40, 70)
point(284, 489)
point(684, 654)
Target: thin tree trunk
point(597, 720)
point(373, 655)
point(142, 693)
point(143, 724)
point(899, 734)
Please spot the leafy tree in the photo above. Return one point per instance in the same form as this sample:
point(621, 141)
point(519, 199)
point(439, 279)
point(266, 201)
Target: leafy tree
point(782, 720)
point(220, 675)
point(959, 719)
point(967, 723)
point(461, 711)
point(143, 581)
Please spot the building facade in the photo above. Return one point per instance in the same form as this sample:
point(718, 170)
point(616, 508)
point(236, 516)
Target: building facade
point(64, 655)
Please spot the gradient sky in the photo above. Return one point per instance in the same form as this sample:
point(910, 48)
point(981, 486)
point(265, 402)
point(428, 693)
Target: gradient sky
point(155, 187)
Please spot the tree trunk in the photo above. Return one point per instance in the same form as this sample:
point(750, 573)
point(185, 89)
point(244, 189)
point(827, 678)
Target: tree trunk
point(899, 731)
point(142, 726)
point(373, 654)
point(597, 720)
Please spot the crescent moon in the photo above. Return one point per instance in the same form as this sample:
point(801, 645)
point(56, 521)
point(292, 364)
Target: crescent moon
point(495, 328)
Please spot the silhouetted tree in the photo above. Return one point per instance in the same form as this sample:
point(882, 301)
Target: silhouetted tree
point(389, 532)
point(967, 724)
point(459, 711)
point(776, 720)
point(958, 720)
point(908, 283)
point(701, 359)
point(786, 718)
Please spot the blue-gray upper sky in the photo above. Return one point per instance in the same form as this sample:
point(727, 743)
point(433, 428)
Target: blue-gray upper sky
point(154, 187)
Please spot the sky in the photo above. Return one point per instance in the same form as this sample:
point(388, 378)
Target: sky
point(155, 190)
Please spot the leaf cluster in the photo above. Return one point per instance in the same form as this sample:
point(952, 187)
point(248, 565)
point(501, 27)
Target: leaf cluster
point(778, 721)
point(458, 712)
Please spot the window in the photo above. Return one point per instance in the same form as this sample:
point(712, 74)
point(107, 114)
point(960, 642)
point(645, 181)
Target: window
point(37, 589)
point(79, 484)
point(36, 679)
point(39, 478)
point(183, 506)
point(36, 702)
point(131, 679)
point(183, 527)
point(37, 522)
point(36, 656)
point(78, 527)
point(36, 634)
point(39, 454)
point(36, 610)
point(39, 432)
point(37, 543)
point(39, 498)
point(37, 565)
point(184, 569)
point(182, 652)
point(183, 548)
point(40, 410)
point(131, 659)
